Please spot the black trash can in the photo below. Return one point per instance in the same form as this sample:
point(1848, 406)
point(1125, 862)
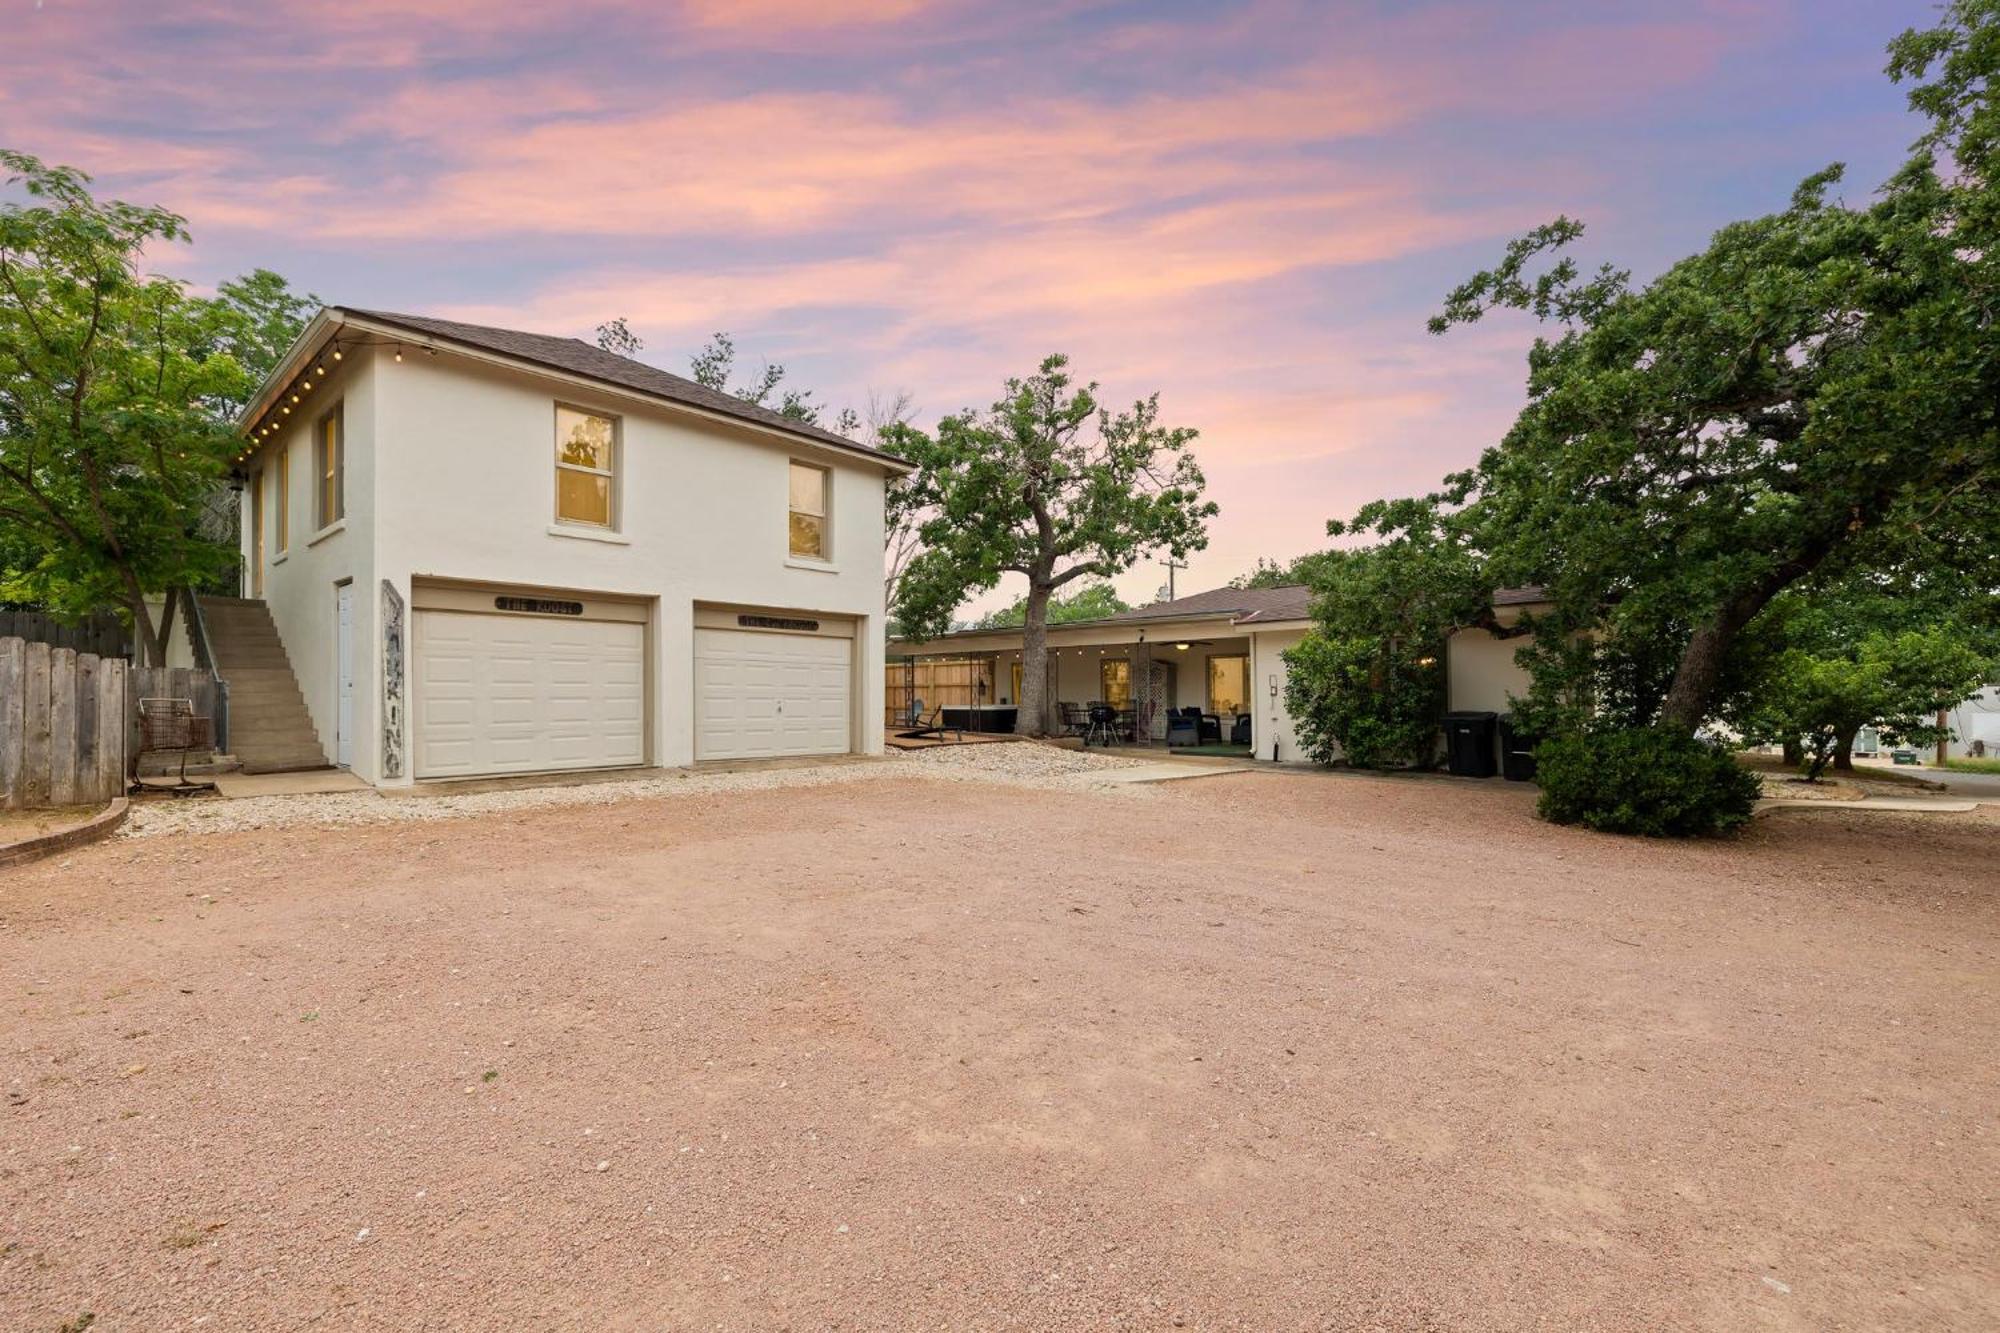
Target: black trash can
point(1517, 751)
point(1468, 743)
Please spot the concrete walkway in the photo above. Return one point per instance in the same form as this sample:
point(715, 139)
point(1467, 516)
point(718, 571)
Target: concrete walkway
point(1930, 805)
point(312, 782)
point(1168, 771)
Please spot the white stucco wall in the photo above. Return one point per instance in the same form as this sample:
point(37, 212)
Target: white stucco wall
point(1271, 721)
point(299, 581)
point(180, 653)
point(464, 488)
point(1481, 673)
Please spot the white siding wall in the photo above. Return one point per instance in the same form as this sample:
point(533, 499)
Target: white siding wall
point(299, 582)
point(466, 490)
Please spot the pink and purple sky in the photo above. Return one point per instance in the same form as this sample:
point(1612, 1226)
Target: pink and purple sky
point(1249, 207)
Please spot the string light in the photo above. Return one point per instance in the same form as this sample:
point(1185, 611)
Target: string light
point(337, 353)
point(399, 353)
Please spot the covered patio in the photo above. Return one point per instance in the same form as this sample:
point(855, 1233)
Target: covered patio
point(1199, 675)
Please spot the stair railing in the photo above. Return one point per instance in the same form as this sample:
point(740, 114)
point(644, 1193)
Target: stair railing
point(204, 657)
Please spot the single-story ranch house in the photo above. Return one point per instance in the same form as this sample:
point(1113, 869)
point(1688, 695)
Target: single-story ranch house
point(472, 551)
point(1219, 653)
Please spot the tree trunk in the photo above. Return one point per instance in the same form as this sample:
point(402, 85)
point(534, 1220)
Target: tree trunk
point(1691, 696)
point(1032, 719)
point(152, 650)
point(167, 608)
point(1843, 750)
point(1795, 753)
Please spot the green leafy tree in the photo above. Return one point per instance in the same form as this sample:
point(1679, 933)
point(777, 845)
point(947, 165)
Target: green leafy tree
point(1896, 682)
point(614, 337)
point(715, 365)
point(1093, 601)
point(1048, 485)
point(1883, 649)
point(1300, 570)
point(1791, 404)
point(116, 393)
point(1367, 684)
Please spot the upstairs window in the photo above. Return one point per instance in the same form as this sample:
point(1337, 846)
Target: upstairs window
point(809, 488)
point(329, 470)
point(283, 498)
point(586, 466)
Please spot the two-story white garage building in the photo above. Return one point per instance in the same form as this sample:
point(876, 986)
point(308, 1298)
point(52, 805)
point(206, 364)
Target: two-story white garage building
point(488, 552)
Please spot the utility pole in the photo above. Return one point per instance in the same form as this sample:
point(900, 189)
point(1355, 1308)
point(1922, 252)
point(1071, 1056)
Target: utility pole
point(1171, 565)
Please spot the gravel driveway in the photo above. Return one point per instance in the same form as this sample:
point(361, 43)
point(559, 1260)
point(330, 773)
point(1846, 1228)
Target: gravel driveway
point(1033, 765)
point(1262, 1051)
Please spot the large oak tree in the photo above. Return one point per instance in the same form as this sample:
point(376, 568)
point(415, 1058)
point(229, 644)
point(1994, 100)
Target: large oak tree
point(1814, 394)
point(1048, 485)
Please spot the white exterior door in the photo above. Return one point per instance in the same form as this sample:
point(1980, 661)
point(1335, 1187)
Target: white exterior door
point(763, 695)
point(526, 694)
point(343, 717)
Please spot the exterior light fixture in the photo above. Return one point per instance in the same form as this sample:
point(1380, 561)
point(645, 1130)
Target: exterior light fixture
point(1180, 647)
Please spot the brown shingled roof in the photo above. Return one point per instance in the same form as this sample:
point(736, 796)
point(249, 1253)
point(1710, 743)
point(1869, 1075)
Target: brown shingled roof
point(577, 357)
point(1287, 603)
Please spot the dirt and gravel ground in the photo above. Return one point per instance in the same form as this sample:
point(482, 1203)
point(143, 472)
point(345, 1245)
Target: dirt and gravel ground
point(1261, 1051)
point(1039, 765)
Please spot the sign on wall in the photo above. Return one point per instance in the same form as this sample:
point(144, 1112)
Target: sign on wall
point(392, 681)
point(541, 606)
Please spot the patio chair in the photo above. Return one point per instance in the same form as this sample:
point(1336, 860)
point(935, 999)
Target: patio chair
point(921, 724)
point(1075, 719)
point(1211, 729)
point(1184, 726)
point(1239, 730)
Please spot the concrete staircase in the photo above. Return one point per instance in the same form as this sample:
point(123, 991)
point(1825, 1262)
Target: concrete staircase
point(270, 730)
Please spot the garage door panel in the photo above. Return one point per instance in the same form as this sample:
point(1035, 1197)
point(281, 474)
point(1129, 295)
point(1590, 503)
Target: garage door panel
point(521, 694)
point(765, 695)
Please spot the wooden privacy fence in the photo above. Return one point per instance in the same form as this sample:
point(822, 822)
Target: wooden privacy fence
point(64, 718)
point(936, 680)
point(103, 634)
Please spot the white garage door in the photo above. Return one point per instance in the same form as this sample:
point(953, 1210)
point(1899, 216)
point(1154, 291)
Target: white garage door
point(758, 695)
point(526, 694)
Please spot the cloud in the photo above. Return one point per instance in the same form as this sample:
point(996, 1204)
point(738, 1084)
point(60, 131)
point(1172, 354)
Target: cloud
point(1246, 205)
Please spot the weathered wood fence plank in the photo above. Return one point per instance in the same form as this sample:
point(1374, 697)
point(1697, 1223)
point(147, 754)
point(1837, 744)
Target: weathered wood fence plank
point(102, 634)
point(64, 719)
point(112, 709)
point(13, 719)
point(89, 786)
point(35, 730)
point(62, 727)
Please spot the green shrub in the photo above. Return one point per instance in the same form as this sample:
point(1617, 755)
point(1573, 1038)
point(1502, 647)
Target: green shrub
point(1361, 701)
point(1643, 780)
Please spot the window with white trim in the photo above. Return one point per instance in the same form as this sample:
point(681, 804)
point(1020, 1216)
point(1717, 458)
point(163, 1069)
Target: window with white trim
point(329, 470)
point(810, 487)
point(586, 467)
